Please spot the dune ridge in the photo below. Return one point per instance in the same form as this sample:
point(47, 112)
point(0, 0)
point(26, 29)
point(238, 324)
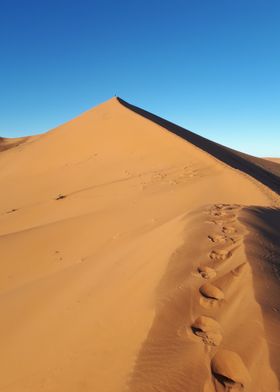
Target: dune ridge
point(133, 259)
point(263, 171)
point(7, 143)
point(275, 160)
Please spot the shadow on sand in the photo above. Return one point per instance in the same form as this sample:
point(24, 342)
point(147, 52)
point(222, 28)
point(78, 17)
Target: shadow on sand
point(268, 173)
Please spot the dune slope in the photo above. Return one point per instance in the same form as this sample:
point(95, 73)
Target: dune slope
point(260, 169)
point(7, 143)
point(132, 259)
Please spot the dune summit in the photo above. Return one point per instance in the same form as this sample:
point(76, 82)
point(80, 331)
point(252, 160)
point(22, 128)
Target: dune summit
point(137, 256)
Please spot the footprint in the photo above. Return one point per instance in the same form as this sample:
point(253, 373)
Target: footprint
point(60, 196)
point(228, 216)
point(222, 214)
point(235, 239)
point(216, 213)
point(227, 207)
point(229, 372)
point(220, 254)
point(228, 212)
point(228, 230)
point(215, 222)
point(11, 211)
point(208, 330)
point(211, 292)
point(207, 272)
point(219, 206)
point(217, 238)
point(232, 207)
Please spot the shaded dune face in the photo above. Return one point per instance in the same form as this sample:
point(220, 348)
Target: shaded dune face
point(132, 260)
point(265, 172)
point(263, 252)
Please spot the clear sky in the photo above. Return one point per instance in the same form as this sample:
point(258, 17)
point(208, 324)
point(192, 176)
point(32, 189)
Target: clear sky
point(212, 66)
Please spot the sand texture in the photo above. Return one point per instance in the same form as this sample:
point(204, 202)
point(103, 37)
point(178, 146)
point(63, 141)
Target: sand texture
point(137, 256)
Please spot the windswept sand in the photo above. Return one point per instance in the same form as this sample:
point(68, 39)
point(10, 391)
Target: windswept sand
point(135, 260)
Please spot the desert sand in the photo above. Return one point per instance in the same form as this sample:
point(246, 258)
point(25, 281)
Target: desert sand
point(137, 256)
point(277, 160)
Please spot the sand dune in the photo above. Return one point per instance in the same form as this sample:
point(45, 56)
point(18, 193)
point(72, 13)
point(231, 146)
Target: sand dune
point(7, 143)
point(260, 169)
point(137, 256)
point(275, 160)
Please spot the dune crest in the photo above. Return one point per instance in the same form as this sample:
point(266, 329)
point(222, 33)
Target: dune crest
point(132, 258)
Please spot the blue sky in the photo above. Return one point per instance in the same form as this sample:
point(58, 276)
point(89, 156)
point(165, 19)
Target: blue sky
point(210, 66)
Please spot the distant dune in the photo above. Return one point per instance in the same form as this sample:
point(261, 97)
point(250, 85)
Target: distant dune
point(277, 160)
point(137, 256)
point(7, 143)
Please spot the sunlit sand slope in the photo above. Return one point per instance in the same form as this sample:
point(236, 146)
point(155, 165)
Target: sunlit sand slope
point(132, 259)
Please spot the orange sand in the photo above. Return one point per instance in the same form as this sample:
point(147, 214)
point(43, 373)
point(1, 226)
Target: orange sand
point(108, 223)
